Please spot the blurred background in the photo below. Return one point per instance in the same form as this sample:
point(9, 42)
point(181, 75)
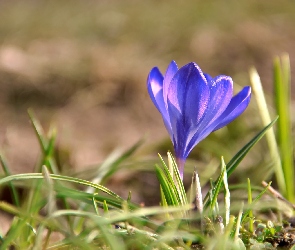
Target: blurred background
point(82, 66)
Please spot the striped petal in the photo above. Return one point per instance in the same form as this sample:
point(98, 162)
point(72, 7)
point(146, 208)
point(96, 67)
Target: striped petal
point(170, 72)
point(221, 91)
point(236, 107)
point(188, 98)
point(155, 89)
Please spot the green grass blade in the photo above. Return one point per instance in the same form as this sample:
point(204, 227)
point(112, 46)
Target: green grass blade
point(16, 229)
point(170, 196)
point(172, 185)
point(39, 131)
point(77, 195)
point(246, 214)
point(162, 161)
point(105, 207)
point(251, 221)
point(178, 181)
point(235, 161)
point(49, 150)
point(175, 184)
point(46, 144)
point(284, 132)
point(217, 187)
point(163, 199)
point(15, 196)
point(48, 157)
point(60, 178)
point(51, 202)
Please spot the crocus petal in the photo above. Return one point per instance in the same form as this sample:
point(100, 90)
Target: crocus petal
point(221, 90)
point(179, 136)
point(188, 97)
point(208, 77)
point(236, 107)
point(170, 72)
point(155, 89)
point(189, 93)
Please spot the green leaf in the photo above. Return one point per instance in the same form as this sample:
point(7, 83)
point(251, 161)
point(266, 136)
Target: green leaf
point(170, 196)
point(284, 133)
point(217, 186)
point(172, 188)
point(251, 222)
point(248, 211)
point(235, 161)
point(172, 185)
point(39, 131)
point(177, 180)
point(61, 178)
point(15, 195)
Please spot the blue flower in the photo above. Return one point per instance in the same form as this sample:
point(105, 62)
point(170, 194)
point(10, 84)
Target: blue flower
point(194, 104)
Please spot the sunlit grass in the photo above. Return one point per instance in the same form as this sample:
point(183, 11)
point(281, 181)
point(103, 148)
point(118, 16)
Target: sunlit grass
point(61, 211)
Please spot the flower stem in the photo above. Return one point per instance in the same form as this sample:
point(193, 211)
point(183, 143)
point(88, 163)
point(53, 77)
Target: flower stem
point(180, 164)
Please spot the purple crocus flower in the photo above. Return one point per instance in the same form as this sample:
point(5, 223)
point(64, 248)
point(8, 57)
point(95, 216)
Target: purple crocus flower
point(194, 104)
